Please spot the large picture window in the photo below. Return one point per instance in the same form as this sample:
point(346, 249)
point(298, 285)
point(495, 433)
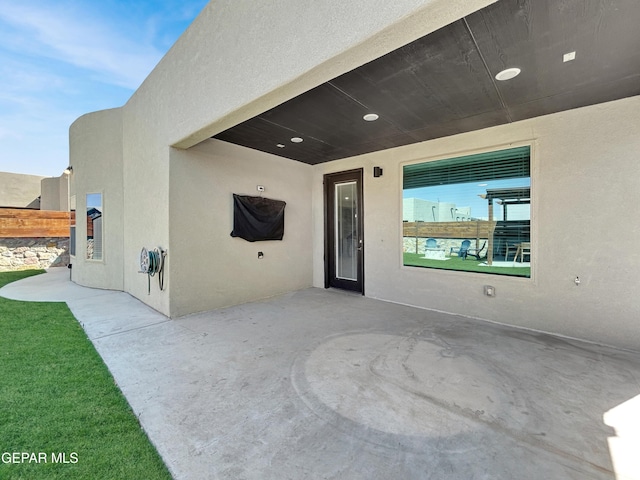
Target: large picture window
point(470, 213)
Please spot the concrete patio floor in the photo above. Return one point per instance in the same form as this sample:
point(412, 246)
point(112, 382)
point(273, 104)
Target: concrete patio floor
point(320, 384)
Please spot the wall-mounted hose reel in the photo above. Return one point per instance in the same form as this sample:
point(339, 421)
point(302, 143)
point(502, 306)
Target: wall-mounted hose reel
point(152, 262)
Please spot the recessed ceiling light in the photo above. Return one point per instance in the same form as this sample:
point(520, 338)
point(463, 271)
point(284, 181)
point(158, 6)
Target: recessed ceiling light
point(280, 145)
point(370, 117)
point(567, 57)
point(296, 140)
point(508, 74)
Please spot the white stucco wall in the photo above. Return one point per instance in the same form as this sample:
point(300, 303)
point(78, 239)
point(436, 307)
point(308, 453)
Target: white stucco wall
point(211, 269)
point(55, 193)
point(50, 194)
point(241, 58)
point(237, 59)
point(95, 153)
point(417, 209)
point(146, 124)
point(19, 190)
point(581, 164)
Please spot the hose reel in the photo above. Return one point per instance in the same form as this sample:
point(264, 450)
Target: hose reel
point(152, 262)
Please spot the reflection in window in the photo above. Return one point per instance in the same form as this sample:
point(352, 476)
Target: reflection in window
point(470, 213)
point(72, 226)
point(346, 231)
point(94, 226)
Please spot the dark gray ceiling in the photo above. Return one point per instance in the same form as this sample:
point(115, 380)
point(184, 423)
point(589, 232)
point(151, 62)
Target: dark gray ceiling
point(444, 83)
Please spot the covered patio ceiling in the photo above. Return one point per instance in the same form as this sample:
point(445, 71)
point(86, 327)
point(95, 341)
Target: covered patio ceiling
point(445, 83)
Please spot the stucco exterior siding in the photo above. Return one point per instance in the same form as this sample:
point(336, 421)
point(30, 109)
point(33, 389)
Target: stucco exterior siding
point(241, 58)
point(167, 184)
point(96, 156)
point(238, 59)
point(146, 195)
point(580, 164)
point(18, 190)
point(211, 269)
point(55, 193)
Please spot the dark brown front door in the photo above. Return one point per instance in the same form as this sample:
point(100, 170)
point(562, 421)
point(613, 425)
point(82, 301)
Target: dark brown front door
point(344, 233)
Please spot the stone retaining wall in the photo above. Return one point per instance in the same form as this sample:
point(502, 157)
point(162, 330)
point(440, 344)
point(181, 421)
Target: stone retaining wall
point(28, 253)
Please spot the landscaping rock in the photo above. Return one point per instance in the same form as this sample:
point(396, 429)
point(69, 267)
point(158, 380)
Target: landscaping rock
point(25, 253)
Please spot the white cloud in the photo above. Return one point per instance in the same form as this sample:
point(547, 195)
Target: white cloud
point(75, 37)
point(61, 59)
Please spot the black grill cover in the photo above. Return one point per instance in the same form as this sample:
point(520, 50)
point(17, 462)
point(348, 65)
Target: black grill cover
point(257, 218)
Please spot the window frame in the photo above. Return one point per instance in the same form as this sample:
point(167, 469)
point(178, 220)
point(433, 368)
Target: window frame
point(533, 208)
point(73, 237)
point(102, 235)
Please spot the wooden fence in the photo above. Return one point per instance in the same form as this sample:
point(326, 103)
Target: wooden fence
point(470, 230)
point(18, 222)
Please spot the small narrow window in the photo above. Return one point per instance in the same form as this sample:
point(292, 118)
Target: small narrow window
point(470, 213)
point(72, 226)
point(94, 226)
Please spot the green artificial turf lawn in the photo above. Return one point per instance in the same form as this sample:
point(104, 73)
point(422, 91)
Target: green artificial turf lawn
point(468, 265)
point(58, 397)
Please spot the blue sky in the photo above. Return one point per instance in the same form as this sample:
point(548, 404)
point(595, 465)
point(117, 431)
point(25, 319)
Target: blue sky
point(60, 59)
point(466, 195)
